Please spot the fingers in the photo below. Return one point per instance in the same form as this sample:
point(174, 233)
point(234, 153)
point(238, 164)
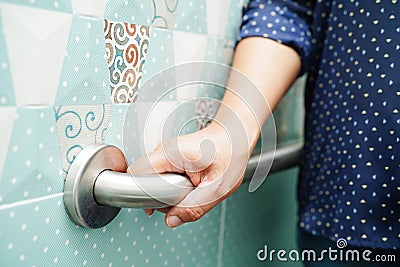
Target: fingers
point(153, 162)
point(215, 178)
point(164, 210)
point(150, 212)
point(197, 203)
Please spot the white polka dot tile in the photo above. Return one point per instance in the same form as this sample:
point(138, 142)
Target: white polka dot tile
point(114, 133)
point(223, 18)
point(234, 19)
point(273, 223)
point(54, 5)
point(160, 56)
point(191, 16)
point(214, 18)
point(138, 11)
point(84, 77)
point(40, 234)
point(32, 167)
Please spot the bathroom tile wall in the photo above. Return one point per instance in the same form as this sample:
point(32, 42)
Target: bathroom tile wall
point(70, 71)
point(264, 217)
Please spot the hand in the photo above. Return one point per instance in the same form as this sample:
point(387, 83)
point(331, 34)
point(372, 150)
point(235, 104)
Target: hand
point(214, 162)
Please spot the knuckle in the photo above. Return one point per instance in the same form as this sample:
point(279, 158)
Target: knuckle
point(193, 214)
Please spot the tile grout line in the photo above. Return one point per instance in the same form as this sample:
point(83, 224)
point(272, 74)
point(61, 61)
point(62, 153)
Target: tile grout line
point(29, 201)
point(221, 234)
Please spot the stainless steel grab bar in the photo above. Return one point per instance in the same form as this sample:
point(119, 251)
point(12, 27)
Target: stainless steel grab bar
point(97, 186)
point(122, 190)
point(283, 158)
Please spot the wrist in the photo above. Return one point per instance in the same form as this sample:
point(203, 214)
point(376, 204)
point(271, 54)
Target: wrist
point(244, 135)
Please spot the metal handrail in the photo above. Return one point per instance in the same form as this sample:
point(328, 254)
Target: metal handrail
point(283, 158)
point(97, 186)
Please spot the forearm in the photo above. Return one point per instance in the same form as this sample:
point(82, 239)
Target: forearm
point(272, 68)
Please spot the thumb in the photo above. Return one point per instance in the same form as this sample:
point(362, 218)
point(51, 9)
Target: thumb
point(153, 162)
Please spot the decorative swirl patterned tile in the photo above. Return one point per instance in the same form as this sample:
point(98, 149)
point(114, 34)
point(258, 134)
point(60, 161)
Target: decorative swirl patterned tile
point(79, 126)
point(206, 110)
point(156, 13)
point(163, 13)
point(127, 46)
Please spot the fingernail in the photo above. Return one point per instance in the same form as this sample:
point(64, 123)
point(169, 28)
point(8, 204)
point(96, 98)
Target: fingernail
point(148, 212)
point(173, 221)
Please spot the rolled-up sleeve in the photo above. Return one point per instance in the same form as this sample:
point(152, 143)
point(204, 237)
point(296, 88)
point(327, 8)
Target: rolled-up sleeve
point(285, 21)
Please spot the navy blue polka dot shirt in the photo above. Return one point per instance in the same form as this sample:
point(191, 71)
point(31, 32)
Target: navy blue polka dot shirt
point(349, 184)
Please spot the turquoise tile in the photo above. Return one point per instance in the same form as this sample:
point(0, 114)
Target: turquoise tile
point(216, 76)
point(191, 16)
point(265, 217)
point(158, 74)
point(187, 16)
point(54, 5)
point(287, 124)
point(84, 77)
point(211, 91)
point(138, 11)
point(290, 121)
point(7, 97)
point(32, 166)
point(215, 47)
point(40, 234)
point(234, 20)
point(114, 133)
point(268, 139)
